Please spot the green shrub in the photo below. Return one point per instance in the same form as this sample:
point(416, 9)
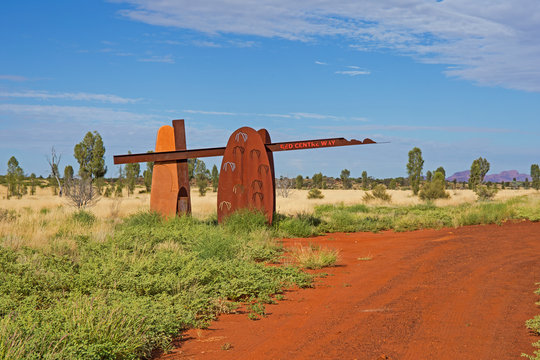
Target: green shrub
point(295, 227)
point(301, 225)
point(486, 213)
point(83, 217)
point(244, 221)
point(379, 192)
point(315, 194)
point(485, 193)
point(434, 189)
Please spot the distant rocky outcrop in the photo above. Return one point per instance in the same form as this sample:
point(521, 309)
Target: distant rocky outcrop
point(506, 176)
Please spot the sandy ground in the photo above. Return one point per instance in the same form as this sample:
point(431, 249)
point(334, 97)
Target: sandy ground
point(435, 294)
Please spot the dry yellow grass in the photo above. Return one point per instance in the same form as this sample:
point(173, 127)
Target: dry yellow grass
point(206, 206)
point(43, 219)
point(298, 201)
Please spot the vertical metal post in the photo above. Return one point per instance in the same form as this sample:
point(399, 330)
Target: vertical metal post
point(184, 198)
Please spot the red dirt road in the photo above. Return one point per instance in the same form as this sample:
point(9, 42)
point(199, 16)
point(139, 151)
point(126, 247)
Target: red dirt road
point(436, 294)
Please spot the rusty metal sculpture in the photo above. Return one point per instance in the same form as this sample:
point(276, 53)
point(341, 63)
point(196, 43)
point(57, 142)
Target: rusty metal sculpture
point(171, 194)
point(247, 178)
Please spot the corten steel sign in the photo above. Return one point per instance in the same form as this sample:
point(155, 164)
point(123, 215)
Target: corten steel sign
point(246, 179)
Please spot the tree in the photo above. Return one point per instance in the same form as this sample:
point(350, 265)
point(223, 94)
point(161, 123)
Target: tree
point(68, 178)
point(393, 184)
point(53, 184)
point(215, 178)
point(479, 169)
point(442, 171)
point(90, 154)
point(429, 175)
point(147, 174)
point(54, 163)
point(15, 175)
point(535, 176)
point(365, 180)
point(201, 174)
point(119, 183)
point(132, 171)
point(434, 189)
point(317, 180)
point(414, 168)
point(299, 182)
point(284, 186)
point(33, 183)
point(191, 168)
point(346, 178)
point(82, 193)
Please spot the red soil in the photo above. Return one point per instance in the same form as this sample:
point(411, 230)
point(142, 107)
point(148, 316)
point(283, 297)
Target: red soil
point(436, 294)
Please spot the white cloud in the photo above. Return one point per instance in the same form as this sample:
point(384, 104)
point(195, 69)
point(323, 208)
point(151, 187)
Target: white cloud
point(302, 115)
point(84, 114)
point(210, 44)
point(453, 129)
point(491, 42)
point(167, 59)
point(44, 95)
point(354, 72)
point(242, 44)
point(170, 42)
point(320, 63)
point(13, 78)
point(294, 115)
point(205, 112)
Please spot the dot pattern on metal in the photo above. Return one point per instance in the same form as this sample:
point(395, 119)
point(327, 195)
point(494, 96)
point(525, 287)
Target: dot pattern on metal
point(246, 178)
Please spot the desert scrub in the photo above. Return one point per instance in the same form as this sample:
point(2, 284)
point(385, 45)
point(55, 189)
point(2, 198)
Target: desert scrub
point(83, 217)
point(134, 290)
point(8, 215)
point(534, 325)
point(378, 192)
point(315, 194)
point(299, 225)
point(339, 218)
point(485, 193)
point(314, 256)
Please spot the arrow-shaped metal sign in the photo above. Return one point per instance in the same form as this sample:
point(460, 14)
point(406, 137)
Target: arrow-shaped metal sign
point(219, 151)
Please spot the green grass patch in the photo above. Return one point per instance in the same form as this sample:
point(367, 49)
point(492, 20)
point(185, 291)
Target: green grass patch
point(83, 217)
point(340, 218)
point(125, 296)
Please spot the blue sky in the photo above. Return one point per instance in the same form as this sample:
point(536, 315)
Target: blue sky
point(459, 79)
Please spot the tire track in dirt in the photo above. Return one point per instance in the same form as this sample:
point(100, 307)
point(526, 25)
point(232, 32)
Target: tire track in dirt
point(435, 294)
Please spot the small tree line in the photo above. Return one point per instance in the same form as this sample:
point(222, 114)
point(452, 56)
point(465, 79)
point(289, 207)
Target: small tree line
point(90, 178)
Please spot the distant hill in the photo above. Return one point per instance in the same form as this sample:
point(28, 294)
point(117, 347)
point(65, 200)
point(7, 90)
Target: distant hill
point(507, 176)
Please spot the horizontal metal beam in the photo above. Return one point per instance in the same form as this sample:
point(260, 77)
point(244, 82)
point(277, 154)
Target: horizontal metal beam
point(218, 151)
